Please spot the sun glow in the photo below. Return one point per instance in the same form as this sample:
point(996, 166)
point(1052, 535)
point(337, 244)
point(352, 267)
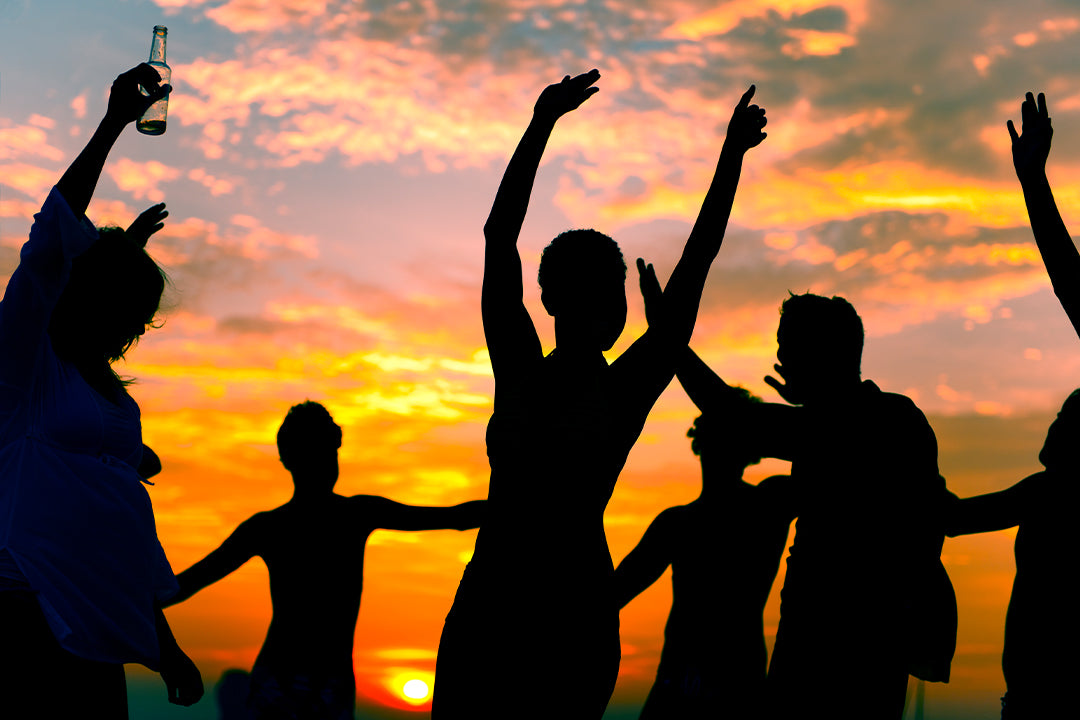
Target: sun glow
point(415, 689)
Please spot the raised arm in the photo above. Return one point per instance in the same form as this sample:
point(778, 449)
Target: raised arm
point(649, 362)
point(647, 561)
point(390, 515)
point(1030, 151)
point(59, 234)
point(986, 513)
point(511, 336)
point(126, 104)
point(237, 549)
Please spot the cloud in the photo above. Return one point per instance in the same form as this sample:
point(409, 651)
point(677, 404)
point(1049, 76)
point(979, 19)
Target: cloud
point(141, 179)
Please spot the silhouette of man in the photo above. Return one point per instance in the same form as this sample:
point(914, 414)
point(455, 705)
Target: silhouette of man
point(313, 547)
point(865, 598)
point(724, 550)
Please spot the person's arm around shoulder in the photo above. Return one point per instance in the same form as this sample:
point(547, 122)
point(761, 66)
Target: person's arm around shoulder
point(385, 514)
point(238, 548)
point(644, 565)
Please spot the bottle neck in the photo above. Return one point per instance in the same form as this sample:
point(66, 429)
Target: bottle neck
point(157, 48)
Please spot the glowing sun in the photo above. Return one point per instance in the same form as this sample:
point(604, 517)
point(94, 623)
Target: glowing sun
point(415, 689)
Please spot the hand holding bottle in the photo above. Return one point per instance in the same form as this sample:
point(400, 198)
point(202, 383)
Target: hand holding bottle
point(126, 102)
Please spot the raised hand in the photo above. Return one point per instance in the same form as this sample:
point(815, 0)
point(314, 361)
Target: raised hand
point(650, 291)
point(783, 390)
point(562, 97)
point(1032, 147)
point(745, 128)
point(127, 101)
point(149, 222)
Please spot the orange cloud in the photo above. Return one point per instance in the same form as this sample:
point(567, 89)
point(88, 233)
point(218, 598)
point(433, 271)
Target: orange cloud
point(141, 179)
point(727, 17)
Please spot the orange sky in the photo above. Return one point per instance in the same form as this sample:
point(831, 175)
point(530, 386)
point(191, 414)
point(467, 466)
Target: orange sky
point(328, 167)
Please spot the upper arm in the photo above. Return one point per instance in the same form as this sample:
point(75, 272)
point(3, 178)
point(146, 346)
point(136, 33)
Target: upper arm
point(56, 237)
point(237, 549)
point(783, 495)
point(647, 561)
point(389, 515)
point(511, 336)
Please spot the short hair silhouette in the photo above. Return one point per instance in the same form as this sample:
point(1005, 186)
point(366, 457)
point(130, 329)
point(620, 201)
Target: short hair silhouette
point(831, 321)
point(714, 430)
point(578, 257)
point(307, 426)
point(115, 280)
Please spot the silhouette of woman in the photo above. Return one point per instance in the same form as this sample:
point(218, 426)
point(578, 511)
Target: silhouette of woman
point(1042, 627)
point(313, 547)
point(534, 630)
point(724, 549)
point(81, 568)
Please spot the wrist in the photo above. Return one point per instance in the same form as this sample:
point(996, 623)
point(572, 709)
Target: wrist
point(1032, 175)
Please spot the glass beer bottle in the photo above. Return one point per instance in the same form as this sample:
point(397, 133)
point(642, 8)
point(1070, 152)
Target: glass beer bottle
point(152, 121)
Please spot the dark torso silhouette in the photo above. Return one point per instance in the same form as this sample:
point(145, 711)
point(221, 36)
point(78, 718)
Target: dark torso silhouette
point(315, 555)
point(536, 601)
point(725, 553)
point(1042, 627)
point(866, 547)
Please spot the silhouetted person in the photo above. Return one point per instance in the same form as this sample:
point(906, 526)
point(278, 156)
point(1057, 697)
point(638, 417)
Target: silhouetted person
point(535, 624)
point(81, 568)
point(724, 550)
point(313, 547)
point(1030, 151)
point(1042, 626)
point(865, 598)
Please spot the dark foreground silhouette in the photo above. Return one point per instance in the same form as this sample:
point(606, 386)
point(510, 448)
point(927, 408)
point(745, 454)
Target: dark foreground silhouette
point(535, 623)
point(81, 568)
point(724, 550)
point(865, 598)
point(313, 547)
point(1042, 627)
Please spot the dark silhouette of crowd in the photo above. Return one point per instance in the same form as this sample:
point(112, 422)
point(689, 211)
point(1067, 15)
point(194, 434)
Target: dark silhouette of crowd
point(533, 631)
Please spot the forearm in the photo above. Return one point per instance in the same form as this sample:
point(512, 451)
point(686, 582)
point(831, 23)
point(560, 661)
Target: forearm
point(682, 296)
point(166, 641)
point(469, 515)
point(1054, 242)
point(512, 199)
point(78, 182)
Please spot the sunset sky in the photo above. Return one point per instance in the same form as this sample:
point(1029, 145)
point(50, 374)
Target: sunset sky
point(328, 167)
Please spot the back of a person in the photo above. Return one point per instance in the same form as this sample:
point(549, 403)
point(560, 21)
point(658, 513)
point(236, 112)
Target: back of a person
point(315, 557)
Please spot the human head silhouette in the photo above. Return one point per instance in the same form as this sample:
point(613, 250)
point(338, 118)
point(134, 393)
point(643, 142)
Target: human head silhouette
point(1059, 450)
point(722, 440)
point(112, 295)
point(820, 343)
point(308, 443)
point(583, 286)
